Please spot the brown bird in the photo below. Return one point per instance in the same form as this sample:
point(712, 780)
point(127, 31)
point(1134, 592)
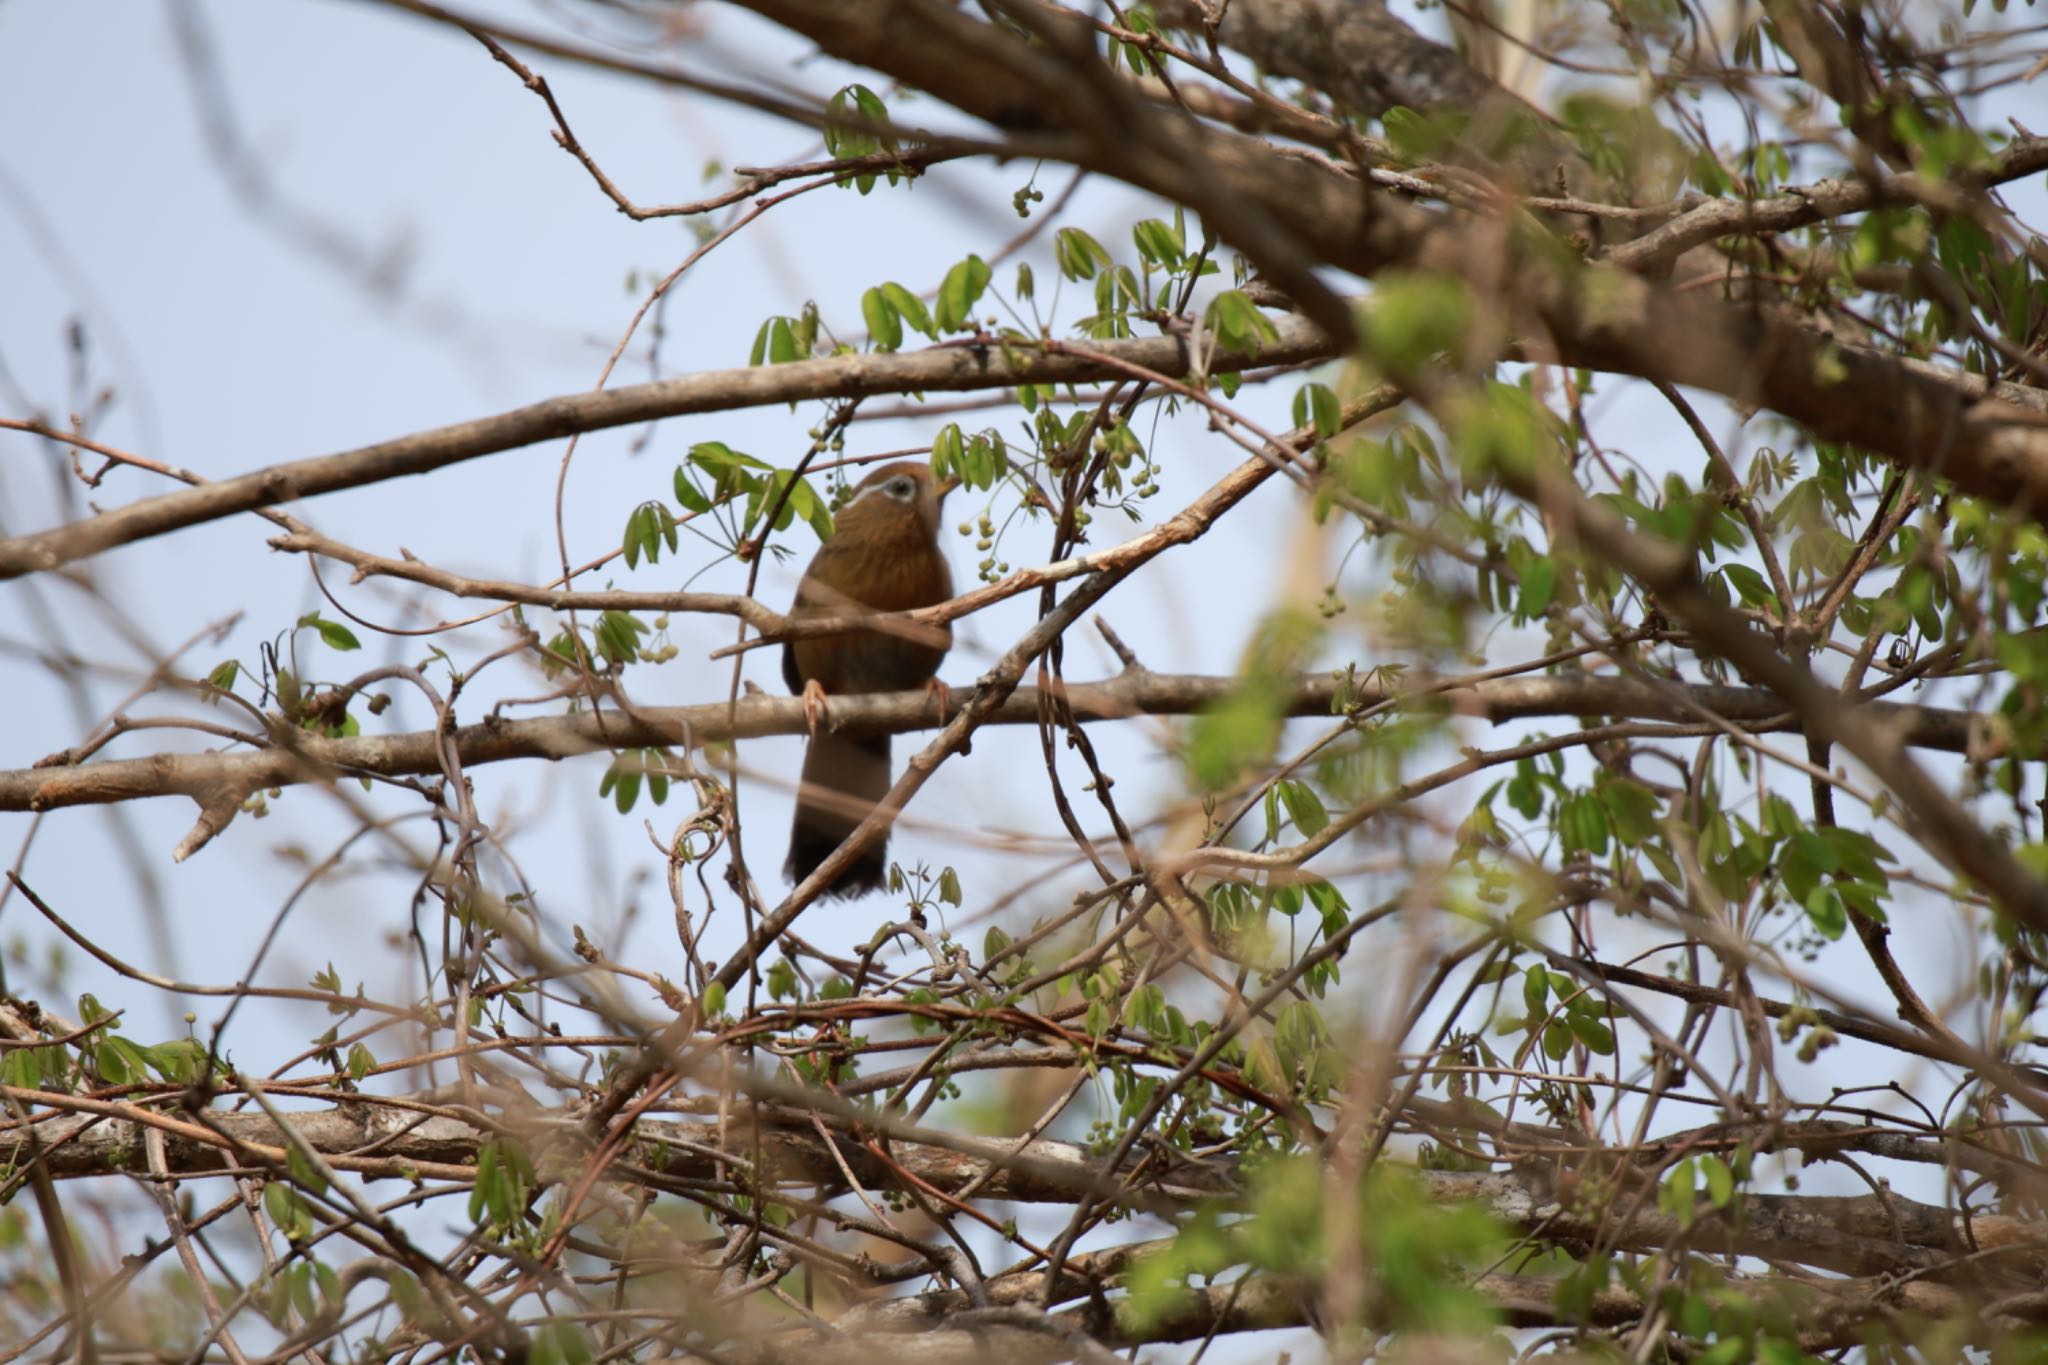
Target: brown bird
point(884, 555)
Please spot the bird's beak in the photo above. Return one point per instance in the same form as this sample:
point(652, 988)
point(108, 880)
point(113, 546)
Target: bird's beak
point(947, 485)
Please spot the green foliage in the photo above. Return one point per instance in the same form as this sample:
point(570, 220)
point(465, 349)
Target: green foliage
point(857, 123)
point(1079, 255)
point(560, 1342)
point(629, 769)
point(1243, 728)
point(1422, 137)
point(735, 477)
point(783, 339)
point(981, 460)
point(1238, 323)
point(1628, 144)
point(332, 633)
point(1414, 319)
point(1418, 1253)
point(649, 527)
point(887, 308)
point(958, 293)
point(504, 1188)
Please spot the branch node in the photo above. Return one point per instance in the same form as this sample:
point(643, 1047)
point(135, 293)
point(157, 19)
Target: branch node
point(217, 809)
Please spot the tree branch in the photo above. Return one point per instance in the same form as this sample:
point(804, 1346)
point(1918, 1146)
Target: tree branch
point(220, 780)
point(1585, 315)
point(951, 366)
point(88, 1137)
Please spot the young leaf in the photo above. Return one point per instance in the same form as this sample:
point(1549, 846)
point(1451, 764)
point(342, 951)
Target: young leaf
point(885, 328)
point(910, 308)
point(334, 634)
point(959, 292)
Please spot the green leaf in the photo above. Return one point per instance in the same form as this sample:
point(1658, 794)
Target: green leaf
point(688, 494)
point(1159, 244)
point(1536, 991)
point(300, 1277)
point(1227, 736)
point(1750, 586)
point(1676, 1195)
point(178, 1061)
point(630, 541)
point(1720, 1181)
point(1420, 137)
point(332, 633)
point(805, 502)
point(959, 292)
point(625, 787)
point(1826, 912)
point(730, 470)
point(1539, 585)
point(223, 675)
point(1631, 810)
point(1305, 808)
point(1238, 323)
point(884, 326)
point(304, 1171)
point(910, 308)
point(1414, 317)
point(330, 1283)
point(1078, 254)
point(618, 637)
point(286, 1210)
point(1597, 1037)
point(113, 1063)
point(1557, 1040)
point(857, 101)
point(1316, 405)
point(405, 1291)
point(1582, 824)
point(1525, 790)
point(946, 450)
point(782, 347)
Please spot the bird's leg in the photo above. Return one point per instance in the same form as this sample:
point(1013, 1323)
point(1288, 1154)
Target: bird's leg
point(941, 694)
point(814, 704)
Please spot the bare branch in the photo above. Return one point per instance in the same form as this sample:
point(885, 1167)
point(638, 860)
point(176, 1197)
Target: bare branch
point(315, 758)
point(953, 366)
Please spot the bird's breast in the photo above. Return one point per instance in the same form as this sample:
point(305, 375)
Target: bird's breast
point(851, 573)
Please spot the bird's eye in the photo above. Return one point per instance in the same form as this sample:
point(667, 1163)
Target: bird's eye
point(900, 488)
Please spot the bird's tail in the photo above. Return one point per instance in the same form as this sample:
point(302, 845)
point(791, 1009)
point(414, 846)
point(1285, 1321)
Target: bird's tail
point(845, 777)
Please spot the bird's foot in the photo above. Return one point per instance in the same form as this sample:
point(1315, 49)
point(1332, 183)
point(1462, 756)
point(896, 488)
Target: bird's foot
point(814, 704)
point(941, 694)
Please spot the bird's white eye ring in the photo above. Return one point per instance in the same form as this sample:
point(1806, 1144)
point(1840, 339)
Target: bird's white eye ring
point(902, 488)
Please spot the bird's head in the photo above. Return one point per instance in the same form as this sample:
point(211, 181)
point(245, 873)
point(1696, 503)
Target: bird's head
point(895, 499)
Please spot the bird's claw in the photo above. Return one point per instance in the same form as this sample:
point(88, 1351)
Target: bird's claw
point(814, 704)
point(941, 694)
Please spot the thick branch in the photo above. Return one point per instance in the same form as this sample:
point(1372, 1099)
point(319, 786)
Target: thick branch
point(1594, 316)
point(953, 366)
point(312, 758)
point(1862, 1235)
